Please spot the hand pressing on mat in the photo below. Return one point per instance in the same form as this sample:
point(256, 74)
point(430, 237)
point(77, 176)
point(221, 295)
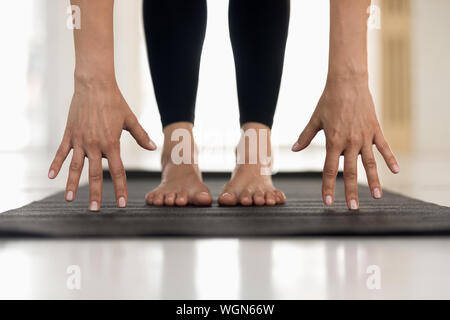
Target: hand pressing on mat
point(97, 116)
point(347, 115)
point(345, 110)
point(98, 112)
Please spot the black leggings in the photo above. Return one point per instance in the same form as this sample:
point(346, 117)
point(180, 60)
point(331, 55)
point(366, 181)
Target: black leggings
point(175, 30)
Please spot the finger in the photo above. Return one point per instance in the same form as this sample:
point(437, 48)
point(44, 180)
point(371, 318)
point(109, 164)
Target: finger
point(350, 178)
point(306, 136)
point(139, 134)
point(386, 152)
point(75, 169)
point(330, 171)
point(370, 165)
point(60, 157)
point(95, 182)
point(118, 177)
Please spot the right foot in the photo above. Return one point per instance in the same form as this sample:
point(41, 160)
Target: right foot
point(181, 184)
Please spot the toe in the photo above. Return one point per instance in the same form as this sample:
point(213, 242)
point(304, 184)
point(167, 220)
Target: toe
point(227, 199)
point(270, 198)
point(245, 198)
point(182, 198)
point(158, 199)
point(169, 199)
point(202, 199)
point(281, 198)
point(149, 198)
point(258, 198)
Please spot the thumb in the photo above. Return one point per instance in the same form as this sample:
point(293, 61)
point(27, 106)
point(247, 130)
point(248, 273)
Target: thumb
point(133, 126)
point(306, 136)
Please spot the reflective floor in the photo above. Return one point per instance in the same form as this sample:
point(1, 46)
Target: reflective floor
point(308, 268)
point(261, 268)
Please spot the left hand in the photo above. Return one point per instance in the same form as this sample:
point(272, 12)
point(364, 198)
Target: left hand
point(347, 115)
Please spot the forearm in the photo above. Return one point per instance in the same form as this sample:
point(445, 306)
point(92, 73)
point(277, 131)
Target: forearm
point(94, 41)
point(348, 39)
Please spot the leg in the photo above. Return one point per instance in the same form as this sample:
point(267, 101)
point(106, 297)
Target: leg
point(174, 32)
point(258, 31)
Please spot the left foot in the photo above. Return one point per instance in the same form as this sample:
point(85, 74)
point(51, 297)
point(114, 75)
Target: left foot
point(251, 184)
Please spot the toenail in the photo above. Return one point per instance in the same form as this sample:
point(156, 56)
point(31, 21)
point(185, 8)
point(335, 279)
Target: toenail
point(226, 194)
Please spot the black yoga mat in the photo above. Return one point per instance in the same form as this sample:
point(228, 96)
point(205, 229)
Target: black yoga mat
point(303, 214)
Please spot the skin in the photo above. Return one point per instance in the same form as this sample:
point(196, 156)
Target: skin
point(98, 112)
point(346, 111)
point(98, 115)
point(181, 184)
point(247, 185)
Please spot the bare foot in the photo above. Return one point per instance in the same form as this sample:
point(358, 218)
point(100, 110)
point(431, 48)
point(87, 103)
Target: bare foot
point(181, 184)
point(251, 183)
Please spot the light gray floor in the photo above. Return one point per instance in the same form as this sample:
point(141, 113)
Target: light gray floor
point(307, 268)
point(168, 268)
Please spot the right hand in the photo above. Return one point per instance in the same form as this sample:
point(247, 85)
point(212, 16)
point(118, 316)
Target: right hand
point(98, 114)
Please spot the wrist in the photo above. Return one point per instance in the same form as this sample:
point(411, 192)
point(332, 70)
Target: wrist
point(94, 79)
point(345, 75)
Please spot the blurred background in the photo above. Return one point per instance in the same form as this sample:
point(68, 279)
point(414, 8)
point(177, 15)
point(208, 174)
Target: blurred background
point(408, 45)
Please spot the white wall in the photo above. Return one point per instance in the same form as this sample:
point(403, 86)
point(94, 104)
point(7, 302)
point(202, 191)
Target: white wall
point(430, 26)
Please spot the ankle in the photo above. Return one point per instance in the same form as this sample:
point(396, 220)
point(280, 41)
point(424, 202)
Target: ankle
point(179, 147)
point(254, 147)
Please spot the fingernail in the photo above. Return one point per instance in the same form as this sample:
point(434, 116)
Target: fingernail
point(93, 206)
point(69, 196)
point(377, 193)
point(122, 202)
point(51, 174)
point(152, 144)
point(328, 200)
point(396, 168)
point(295, 146)
point(353, 205)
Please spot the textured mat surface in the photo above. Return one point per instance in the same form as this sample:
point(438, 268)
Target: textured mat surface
point(304, 214)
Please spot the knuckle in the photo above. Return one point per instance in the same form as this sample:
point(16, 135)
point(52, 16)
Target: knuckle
point(333, 137)
point(95, 196)
point(75, 166)
point(331, 145)
point(391, 159)
point(131, 119)
point(329, 173)
point(96, 176)
point(350, 174)
point(117, 173)
point(111, 143)
point(91, 142)
point(354, 141)
point(383, 145)
point(370, 163)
